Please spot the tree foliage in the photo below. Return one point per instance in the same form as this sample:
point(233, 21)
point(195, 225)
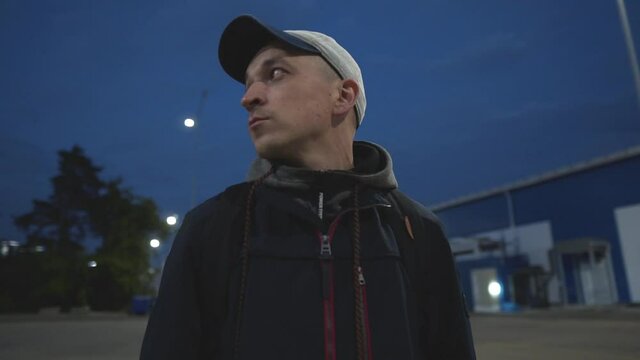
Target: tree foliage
point(125, 223)
point(85, 207)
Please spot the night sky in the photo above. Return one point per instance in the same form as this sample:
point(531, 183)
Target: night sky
point(466, 95)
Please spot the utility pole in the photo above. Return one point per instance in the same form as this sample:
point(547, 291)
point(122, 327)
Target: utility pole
point(628, 37)
point(196, 148)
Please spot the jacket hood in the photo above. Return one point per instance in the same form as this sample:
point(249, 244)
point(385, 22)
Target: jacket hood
point(372, 167)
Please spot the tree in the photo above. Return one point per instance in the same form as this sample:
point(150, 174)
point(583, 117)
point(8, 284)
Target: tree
point(84, 206)
point(61, 224)
point(125, 223)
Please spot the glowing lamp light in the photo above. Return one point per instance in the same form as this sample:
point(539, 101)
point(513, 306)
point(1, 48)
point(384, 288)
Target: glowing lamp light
point(92, 264)
point(495, 289)
point(154, 243)
point(172, 220)
point(189, 123)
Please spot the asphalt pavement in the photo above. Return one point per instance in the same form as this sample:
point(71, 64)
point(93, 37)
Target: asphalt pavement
point(578, 333)
point(610, 333)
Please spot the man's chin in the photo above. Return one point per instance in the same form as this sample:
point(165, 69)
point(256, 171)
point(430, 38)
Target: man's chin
point(279, 154)
point(268, 151)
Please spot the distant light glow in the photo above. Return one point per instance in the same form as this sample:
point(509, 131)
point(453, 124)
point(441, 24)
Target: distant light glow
point(172, 220)
point(189, 123)
point(154, 243)
point(495, 289)
point(92, 264)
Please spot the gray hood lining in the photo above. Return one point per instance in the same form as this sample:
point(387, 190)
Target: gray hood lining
point(372, 166)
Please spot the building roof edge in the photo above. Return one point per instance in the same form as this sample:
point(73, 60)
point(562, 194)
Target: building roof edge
point(537, 179)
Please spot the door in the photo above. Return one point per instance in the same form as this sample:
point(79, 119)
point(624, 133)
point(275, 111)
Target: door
point(595, 281)
point(482, 280)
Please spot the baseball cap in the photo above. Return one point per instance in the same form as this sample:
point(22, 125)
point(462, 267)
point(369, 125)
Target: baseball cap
point(246, 35)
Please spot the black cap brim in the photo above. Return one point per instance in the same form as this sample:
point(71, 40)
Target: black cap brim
point(244, 37)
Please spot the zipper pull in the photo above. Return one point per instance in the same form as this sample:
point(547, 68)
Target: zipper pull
point(360, 276)
point(321, 205)
point(325, 247)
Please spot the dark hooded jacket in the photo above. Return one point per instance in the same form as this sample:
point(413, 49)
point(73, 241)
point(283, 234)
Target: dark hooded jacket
point(300, 264)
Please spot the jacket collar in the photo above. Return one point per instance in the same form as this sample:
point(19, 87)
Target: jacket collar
point(372, 167)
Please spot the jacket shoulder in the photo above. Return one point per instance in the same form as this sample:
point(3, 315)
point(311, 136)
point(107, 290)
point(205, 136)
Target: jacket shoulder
point(228, 201)
point(420, 210)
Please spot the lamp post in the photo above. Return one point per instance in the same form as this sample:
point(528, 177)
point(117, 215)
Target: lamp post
point(154, 244)
point(628, 38)
point(193, 123)
point(154, 270)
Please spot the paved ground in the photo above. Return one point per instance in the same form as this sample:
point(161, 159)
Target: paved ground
point(71, 337)
point(583, 334)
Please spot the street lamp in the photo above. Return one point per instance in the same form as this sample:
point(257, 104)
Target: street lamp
point(172, 220)
point(189, 123)
point(154, 243)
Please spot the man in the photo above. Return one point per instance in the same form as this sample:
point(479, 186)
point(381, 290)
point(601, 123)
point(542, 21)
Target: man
point(317, 256)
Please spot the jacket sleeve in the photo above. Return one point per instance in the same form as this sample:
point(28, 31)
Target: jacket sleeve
point(173, 330)
point(448, 334)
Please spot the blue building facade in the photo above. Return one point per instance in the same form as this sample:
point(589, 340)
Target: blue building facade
point(570, 236)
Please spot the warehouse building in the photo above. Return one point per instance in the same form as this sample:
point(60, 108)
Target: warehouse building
point(571, 236)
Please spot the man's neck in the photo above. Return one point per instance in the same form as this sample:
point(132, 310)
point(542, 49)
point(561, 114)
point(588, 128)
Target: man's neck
point(337, 156)
point(324, 163)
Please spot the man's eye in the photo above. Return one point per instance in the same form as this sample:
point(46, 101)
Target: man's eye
point(276, 73)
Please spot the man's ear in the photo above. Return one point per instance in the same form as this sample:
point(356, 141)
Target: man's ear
point(348, 93)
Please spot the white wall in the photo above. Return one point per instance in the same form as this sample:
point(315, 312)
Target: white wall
point(628, 223)
point(535, 240)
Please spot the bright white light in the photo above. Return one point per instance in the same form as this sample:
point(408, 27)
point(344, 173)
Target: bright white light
point(189, 123)
point(172, 220)
point(154, 243)
point(92, 264)
point(495, 289)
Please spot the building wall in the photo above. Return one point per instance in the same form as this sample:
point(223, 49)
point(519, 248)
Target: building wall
point(628, 223)
point(578, 205)
point(475, 217)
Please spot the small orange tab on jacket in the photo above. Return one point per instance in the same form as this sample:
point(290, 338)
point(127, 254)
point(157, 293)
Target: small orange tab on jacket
point(407, 223)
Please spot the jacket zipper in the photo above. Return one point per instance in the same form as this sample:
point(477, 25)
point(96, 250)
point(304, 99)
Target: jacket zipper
point(328, 300)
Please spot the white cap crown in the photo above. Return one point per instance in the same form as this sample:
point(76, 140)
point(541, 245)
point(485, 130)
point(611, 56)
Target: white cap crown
point(339, 59)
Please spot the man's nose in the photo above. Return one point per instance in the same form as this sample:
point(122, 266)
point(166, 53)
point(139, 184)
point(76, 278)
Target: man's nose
point(253, 96)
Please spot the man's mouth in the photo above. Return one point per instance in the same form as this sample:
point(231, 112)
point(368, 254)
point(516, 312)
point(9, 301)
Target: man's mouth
point(255, 120)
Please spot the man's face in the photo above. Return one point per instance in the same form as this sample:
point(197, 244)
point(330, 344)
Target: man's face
point(290, 100)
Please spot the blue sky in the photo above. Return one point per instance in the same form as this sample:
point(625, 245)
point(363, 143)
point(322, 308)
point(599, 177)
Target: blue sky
point(466, 95)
